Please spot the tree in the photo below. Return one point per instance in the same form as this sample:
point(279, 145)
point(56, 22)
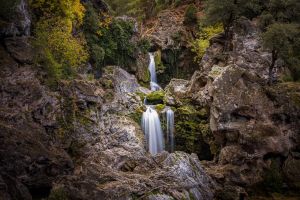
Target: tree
point(281, 39)
point(60, 48)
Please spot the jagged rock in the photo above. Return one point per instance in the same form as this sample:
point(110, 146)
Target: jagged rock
point(251, 122)
point(20, 49)
point(175, 90)
point(17, 21)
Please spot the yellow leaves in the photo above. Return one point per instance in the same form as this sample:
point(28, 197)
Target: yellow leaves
point(78, 11)
point(104, 23)
point(70, 9)
point(200, 45)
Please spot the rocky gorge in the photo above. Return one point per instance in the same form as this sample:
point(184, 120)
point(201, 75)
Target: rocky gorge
point(235, 134)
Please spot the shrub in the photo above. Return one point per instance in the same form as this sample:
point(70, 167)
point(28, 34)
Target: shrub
point(59, 52)
point(200, 45)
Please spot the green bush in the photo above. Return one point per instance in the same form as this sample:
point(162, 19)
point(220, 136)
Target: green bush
point(58, 51)
point(109, 40)
point(200, 45)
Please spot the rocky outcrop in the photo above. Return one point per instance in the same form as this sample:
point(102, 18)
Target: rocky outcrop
point(252, 123)
point(112, 162)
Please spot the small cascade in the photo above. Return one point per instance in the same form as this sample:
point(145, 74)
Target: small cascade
point(152, 129)
point(150, 120)
point(153, 80)
point(170, 129)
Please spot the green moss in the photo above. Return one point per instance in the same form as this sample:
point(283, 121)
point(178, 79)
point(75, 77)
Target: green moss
point(156, 97)
point(137, 115)
point(160, 68)
point(160, 107)
point(192, 131)
point(58, 194)
point(107, 83)
point(141, 95)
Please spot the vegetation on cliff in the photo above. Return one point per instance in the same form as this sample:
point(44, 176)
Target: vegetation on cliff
point(279, 20)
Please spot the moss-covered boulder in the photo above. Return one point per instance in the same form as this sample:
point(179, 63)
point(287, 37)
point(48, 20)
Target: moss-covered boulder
point(160, 68)
point(156, 97)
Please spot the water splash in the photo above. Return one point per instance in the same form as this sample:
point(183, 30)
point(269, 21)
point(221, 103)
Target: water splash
point(153, 131)
point(170, 128)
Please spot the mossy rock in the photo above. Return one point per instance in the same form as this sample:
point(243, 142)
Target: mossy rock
point(141, 95)
point(160, 68)
point(156, 97)
point(137, 115)
point(160, 107)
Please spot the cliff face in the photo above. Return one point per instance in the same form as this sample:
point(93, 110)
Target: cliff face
point(254, 125)
point(82, 140)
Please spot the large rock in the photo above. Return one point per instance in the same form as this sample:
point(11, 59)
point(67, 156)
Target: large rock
point(252, 122)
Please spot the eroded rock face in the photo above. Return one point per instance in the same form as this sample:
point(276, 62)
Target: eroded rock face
point(30, 156)
point(251, 121)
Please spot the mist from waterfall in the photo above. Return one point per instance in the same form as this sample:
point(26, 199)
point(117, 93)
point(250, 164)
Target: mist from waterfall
point(153, 131)
point(170, 129)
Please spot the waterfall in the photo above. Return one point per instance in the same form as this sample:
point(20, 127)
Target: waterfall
point(150, 120)
point(170, 129)
point(153, 132)
point(153, 80)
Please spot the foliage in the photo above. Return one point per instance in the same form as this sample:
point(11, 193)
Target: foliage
point(227, 11)
point(200, 45)
point(276, 17)
point(109, 39)
point(58, 50)
point(141, 9)
point(190, 16)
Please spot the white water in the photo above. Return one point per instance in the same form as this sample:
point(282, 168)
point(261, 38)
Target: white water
point(170, 129)
point(153, 80)
point(151, 123)
point(153, 132)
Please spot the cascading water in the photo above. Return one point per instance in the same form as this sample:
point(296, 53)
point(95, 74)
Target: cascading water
point(153, 80)
point(170, 129)
point(151, 123)
point(152, 129)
